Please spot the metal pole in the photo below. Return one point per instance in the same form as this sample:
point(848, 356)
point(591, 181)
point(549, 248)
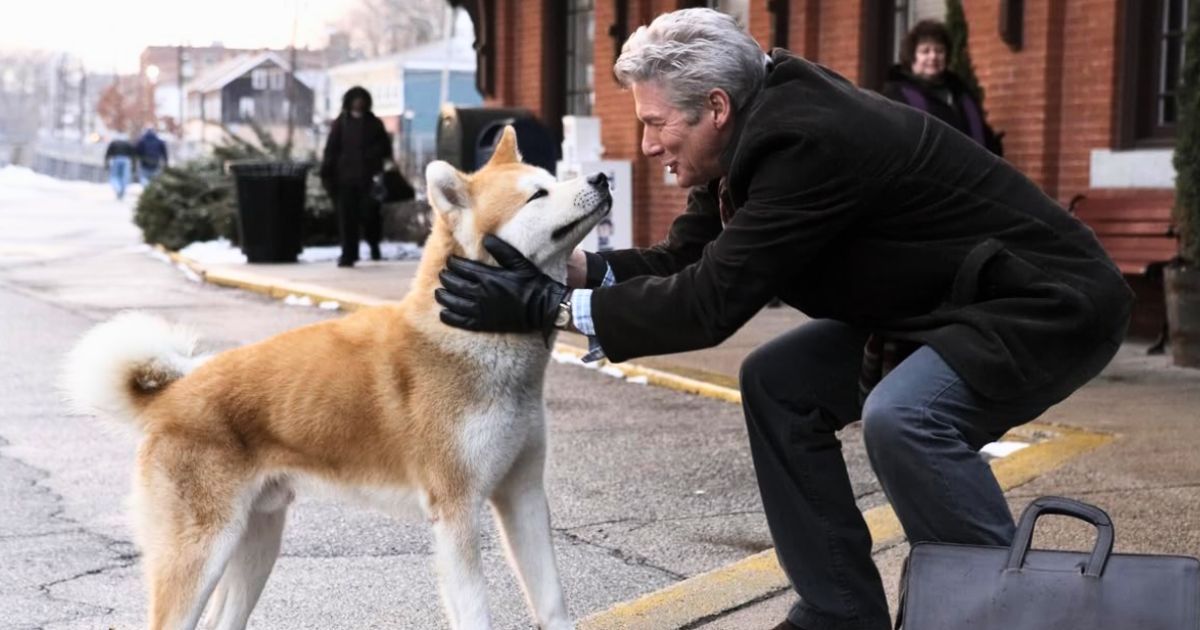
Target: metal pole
point(182, 94)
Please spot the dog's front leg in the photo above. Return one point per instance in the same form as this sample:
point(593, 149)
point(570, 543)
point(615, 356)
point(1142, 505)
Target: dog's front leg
point(460, 571)
point(524, 516)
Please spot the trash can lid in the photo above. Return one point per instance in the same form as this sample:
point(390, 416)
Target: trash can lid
point(269, 168)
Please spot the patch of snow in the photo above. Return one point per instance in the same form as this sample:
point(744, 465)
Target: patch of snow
point(390, 251)
point(218, 252)
point(1003, 449)
point(297, 300)
point(187, 272)
point(223, 252)
point(612, 371)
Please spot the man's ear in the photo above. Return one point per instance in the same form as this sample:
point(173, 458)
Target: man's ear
point(447, 188)
point(719, 107)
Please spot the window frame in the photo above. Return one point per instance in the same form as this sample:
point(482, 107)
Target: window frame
point(1138, 121)
point(579, 67)
point(878, 43)
point(246, 104)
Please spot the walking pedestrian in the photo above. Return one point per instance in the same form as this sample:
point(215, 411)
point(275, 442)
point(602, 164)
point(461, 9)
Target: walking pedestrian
point(152, 156)
point(118, 161)
point(356, 150)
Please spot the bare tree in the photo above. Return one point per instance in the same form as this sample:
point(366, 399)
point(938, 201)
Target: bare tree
point(381, 27)
point(126, 105)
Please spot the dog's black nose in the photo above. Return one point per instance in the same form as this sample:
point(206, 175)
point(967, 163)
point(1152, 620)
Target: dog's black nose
point(599, 180)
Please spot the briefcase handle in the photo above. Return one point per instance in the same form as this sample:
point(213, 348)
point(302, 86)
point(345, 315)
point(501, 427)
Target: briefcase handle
point(1064, 507)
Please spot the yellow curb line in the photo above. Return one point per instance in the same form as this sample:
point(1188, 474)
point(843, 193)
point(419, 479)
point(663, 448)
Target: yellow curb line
point(732, 586)
point(662, 378)
point(273, 287)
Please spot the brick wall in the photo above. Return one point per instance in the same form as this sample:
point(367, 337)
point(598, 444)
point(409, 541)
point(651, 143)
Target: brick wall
point(1055, 98)
point(1089, 89)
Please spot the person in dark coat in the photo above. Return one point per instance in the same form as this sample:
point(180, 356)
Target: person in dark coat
point(950, 299)
point(355, 152)
point(118, 160)
point(923, 80)
point(152, 156)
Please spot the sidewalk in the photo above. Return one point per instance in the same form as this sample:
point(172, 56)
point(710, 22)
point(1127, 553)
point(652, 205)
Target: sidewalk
point(1128, 442)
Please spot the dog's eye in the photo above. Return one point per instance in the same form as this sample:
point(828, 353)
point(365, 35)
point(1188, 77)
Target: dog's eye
point(541, 192)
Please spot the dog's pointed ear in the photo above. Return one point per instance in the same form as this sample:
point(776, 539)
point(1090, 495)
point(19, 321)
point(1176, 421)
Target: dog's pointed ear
point(447, 188)
point(506, 149)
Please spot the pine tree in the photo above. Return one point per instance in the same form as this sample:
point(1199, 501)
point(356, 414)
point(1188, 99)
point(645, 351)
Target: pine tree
point(197, 201)
point(960, 54)
point(1187, 144)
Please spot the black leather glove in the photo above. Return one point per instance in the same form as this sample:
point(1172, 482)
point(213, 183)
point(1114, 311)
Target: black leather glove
point(514, 297)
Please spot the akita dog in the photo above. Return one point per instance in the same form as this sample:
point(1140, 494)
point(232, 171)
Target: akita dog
point(384, 402)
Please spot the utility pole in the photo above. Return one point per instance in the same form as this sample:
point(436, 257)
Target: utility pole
point(291, 84)
point(179, 79)
point(82, 102)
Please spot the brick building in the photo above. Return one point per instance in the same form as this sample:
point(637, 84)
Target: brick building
point(1079, 87)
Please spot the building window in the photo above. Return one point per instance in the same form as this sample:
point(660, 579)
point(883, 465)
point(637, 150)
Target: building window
point(880, 37)
point(275, 78)
point(246, 107)
point(258, 78)
point(1154, 35)
point(739, 9)
point(901, 15)
point(581, 29)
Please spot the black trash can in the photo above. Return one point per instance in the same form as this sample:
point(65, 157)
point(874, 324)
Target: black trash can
point(270, 198)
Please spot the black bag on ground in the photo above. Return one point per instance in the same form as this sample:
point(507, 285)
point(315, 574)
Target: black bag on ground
point(956, 587)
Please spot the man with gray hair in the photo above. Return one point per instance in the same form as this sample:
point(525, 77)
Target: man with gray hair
point(951, 300)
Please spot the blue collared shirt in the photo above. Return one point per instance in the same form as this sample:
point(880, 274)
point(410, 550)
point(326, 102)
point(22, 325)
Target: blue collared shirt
point(581, 313)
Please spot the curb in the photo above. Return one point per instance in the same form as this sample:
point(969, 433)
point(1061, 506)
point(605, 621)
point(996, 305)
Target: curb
point(272, 287)
point(733, 586)
point(709, 595)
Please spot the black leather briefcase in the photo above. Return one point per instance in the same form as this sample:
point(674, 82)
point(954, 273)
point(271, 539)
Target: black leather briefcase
point(964, 587)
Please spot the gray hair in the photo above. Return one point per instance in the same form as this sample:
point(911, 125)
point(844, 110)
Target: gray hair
point(689, 52)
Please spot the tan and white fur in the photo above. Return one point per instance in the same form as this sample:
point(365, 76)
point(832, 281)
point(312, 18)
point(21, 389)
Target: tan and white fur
point(385, 403)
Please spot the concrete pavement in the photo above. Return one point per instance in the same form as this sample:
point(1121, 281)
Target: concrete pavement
point(1127, 442)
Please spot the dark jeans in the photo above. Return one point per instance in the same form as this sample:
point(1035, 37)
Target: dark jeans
point(354, 206)
point(923, 427)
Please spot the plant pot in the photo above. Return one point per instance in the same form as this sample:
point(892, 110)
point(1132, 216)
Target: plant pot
point(1182, 287)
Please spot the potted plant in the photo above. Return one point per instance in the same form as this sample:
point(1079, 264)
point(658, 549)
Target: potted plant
point(1182, 278)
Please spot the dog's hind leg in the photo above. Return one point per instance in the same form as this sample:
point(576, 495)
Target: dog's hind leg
point(524, 517)
point(185, 553)
point(460, 570)
point(252, 561)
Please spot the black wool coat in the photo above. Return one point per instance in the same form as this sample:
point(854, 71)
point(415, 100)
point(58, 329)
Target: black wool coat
point(355, 151)
point(853, 207)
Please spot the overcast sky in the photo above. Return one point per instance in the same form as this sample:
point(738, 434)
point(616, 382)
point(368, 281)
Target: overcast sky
point(78, 26)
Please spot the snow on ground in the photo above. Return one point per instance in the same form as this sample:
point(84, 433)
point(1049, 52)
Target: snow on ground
point(222, 252)
point(19, 183)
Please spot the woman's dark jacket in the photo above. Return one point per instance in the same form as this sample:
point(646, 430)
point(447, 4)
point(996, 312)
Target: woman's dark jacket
point(357, 146)
point(948, 99)
point(852, 207)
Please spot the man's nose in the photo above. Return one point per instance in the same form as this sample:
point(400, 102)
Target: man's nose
point(598, 180)
point(650, 146)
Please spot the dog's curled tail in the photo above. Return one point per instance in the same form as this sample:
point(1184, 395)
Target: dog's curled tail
point(119, 366)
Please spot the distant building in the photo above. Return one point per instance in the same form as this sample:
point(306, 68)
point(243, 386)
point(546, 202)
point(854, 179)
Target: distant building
point(166, 69)
point(406, 89)
point(256, 87)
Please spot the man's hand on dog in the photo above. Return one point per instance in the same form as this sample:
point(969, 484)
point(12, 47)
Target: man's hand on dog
point(514, 297)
